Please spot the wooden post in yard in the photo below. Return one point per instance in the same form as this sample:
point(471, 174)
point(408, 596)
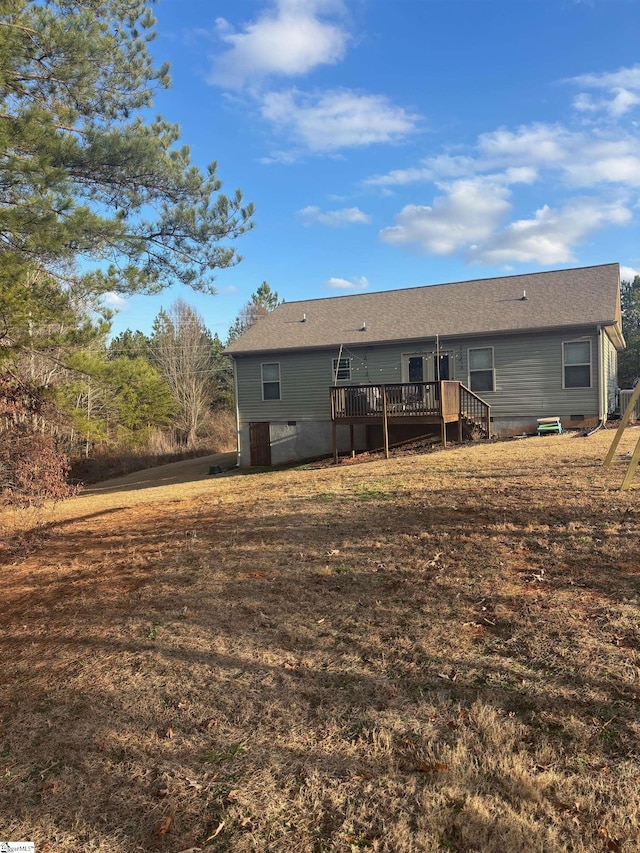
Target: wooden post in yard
point(631, 469)
point(335, 444)
point(385, 422)
point(608, 459)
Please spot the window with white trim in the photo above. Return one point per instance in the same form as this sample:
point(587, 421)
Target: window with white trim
point(481, 373)
point(341, 372)
point(576, 364)
point(271, 381)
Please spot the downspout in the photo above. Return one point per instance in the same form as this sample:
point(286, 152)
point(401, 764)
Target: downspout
point(235, 397)
point(604, 403)
point(602, 388)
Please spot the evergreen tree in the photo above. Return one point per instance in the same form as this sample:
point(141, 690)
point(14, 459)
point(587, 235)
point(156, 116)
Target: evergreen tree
point(131, 345)
point(82, 175)
point(629, 359)
point(222, 369)
point(113, 401)
point(141, 397)
point(262, 302)
point(94, 196)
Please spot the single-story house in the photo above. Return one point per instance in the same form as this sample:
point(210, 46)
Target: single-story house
point(320, 374)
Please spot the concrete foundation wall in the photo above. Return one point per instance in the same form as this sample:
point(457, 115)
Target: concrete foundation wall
point(294, 442)
point(505, 427)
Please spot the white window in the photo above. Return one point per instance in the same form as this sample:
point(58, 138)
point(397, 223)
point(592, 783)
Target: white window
point(481, 370)
point(342, 370)
point(576, 364)
point(271, 381)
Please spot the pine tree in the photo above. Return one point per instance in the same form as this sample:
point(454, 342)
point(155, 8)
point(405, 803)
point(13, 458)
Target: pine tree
point(262, 302)
point(81, 171)
point(629, 359)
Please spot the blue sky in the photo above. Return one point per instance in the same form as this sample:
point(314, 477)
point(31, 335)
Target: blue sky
point(397, 143)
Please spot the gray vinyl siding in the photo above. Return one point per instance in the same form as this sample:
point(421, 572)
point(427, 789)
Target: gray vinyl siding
point(304, 387)
point(529, 377)
point(527, 367)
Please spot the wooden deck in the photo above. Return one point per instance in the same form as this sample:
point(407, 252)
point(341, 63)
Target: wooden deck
point(439, 403)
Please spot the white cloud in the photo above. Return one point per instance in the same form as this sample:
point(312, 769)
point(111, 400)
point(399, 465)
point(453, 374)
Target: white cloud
point(580, 159)
point(467, 217)
point(289, 40)
point(430, 169)
point(530, 145)
point(628, 273)
point(328, 121)
point(356, 283)
point(622, 90)
point(479, 184)
point(550, 236)
point(628, 78)
point(555, 154)
point(623, 169)
point(401, 177)
point(115, 301)
point(621, 102)
point(446, 167)
point(334, 218)
point(468, 213)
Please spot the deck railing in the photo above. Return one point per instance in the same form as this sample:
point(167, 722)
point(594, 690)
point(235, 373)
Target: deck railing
point(445, 399)
point(409, 399)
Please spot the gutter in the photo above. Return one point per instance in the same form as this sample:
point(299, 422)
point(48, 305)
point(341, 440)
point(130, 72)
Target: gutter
point(364, 342)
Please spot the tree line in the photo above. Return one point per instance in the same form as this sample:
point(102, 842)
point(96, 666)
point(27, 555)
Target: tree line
point(629, 359)
point(99, 195)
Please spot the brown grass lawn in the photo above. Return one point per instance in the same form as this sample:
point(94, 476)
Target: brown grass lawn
point(431, 653)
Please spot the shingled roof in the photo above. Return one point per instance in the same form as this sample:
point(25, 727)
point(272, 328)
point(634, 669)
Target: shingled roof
point(556, 299)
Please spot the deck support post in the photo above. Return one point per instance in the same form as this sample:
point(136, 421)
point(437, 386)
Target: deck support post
point(443, 424)
point(385, 422)
point(352, 445)
point(335, 443)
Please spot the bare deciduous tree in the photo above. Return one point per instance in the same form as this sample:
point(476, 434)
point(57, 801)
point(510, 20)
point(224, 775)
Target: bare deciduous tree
point(181, 346)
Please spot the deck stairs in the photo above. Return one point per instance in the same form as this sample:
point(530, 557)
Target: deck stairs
point(474, 414)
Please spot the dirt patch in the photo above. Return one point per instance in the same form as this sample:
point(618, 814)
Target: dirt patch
point(433, 653)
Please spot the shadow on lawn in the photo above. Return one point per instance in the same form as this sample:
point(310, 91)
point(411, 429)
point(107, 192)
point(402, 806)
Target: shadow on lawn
point(329, 616)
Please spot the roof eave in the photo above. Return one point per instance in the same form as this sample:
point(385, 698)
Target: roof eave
point(616, 336)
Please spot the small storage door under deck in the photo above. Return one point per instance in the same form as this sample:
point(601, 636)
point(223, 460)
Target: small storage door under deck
point(260, 444)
